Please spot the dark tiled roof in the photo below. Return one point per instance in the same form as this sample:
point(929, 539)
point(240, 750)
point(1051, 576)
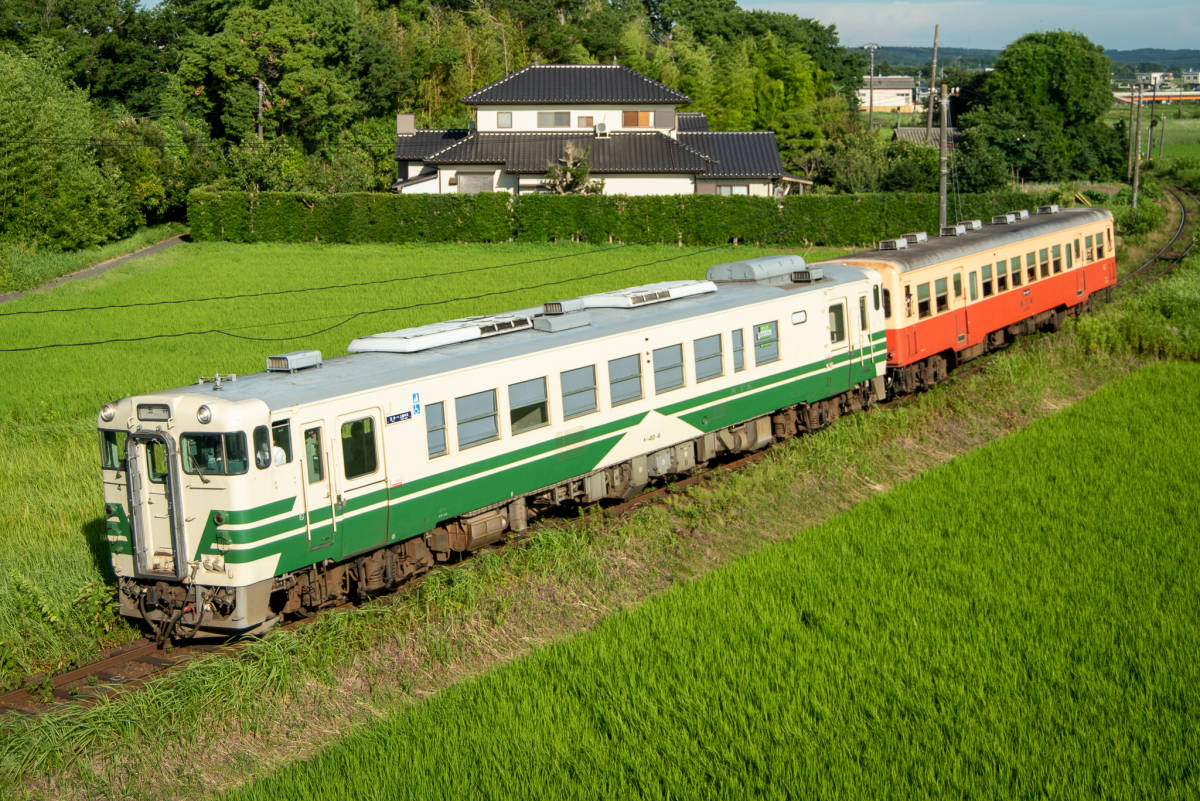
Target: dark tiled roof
point(737, 154)
point(889, 82)
point(422, 144)
point(575, 83)
point(916, 135)
point(533, 153)
point(691, 121)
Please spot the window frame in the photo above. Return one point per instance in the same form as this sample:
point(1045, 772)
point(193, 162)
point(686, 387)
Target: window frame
point(187, 463)
point(737, 349)
point(1056, 262)
point(460, 421)
point(941, 295)
point(701, 363)
point(580, 121)
point(928, 301)
point(1030, 267)
point(544, 405)
point(281, 437)
point(117, 446)
point(316, 458)
point(666, 370)
point(633, 358)
point(985, 281)
point(763, 344)
point(838, 331)
point(554, 116)
point(592, 388)
point(504, 119)
point(637, 116)
point(1014, 270)
point(430, 429)
point(369, 467)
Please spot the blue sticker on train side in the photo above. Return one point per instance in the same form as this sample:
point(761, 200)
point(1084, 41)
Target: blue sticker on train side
point(416, 403)
point(399, 418)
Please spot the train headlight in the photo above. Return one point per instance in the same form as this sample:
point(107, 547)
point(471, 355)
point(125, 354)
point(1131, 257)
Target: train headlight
point(107, 412)
point(204, 415)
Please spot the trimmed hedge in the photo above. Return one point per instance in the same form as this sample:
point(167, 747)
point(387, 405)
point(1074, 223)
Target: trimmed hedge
point(696, 220)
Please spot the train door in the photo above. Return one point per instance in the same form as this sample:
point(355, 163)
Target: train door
point(360, 503)
point(318, 489)
point(865, 358)
point(960, 314)
point(838, 379)
point(155, 511)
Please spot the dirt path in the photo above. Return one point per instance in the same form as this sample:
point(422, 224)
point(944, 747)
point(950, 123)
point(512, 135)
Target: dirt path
point(97, 269)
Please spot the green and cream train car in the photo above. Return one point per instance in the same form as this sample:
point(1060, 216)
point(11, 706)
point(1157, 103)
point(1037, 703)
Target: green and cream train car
point(235, 501)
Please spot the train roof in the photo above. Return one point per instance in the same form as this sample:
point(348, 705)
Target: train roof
point(941, 249)
point(358, 372)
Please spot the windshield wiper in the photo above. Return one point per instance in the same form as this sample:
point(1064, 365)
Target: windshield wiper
point(195, 466)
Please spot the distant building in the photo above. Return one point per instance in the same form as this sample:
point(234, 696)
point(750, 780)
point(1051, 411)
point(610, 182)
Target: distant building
point(892, 93)
point(916, 135)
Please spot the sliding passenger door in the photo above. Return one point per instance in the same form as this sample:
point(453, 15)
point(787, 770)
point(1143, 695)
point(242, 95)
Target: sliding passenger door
point(360, 506)
point(839, 360)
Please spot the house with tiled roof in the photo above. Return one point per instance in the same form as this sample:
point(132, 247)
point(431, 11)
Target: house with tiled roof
point(628, 125)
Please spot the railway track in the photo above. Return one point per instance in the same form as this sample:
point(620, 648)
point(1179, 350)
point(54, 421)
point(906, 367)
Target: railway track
point(133, 665)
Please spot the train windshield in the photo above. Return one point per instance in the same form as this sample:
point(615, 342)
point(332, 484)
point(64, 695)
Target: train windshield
point(214, 454)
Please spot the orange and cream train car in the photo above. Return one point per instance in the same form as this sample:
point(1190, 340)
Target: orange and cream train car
point(974, 288)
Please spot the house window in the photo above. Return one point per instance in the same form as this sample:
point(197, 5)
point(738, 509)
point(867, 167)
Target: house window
point(470, 183)
point(503, 119)
point(733, 189)
point(527, 405)
point(625, 379)
point(586, 121)
point(637, 119)
point(554, 119)
point(578, 391)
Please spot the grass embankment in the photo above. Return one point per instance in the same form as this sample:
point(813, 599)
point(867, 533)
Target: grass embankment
point(24, 268)
point(55, 599)
point(1020, 622)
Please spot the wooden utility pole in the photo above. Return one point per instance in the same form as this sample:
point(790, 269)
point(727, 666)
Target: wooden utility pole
point(871, 87)
point(929, 100)
point(1137, 149)
point(1150, 132)
point(943, 166)
point(1129, 164)
point(260, 99)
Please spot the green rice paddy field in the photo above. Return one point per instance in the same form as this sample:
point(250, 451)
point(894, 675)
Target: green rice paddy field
point(55, 601)
point(1020, 622)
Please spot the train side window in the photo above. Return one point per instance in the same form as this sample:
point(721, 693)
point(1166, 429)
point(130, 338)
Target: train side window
point(668, 368)
point(923, 308)
point(1070, 261)
point(941, 295)
point(987, 280)
point(958, 285)
point(707, 352)
point(971, 279)
point(799, 317)
point(112, 449)
point(908, 307)
point(1044, 262)
point(1088, 253)
point(766, 342)
point(578, 391)
point(435, 429)
point(862, 314)
point(358, 447)
point(1099, 246)
point(475, 416)
point(876, 288)
point(1031, 267)
point(281, 438)
point(1077, 252)
point(1014, 267)
point(527, 407)
point(1001, 277)
point(262, 448)
point(313, 459)
point(739, 357)
point(625, 379)
point(887, 303)
point(837, 323)
point(1056, 258)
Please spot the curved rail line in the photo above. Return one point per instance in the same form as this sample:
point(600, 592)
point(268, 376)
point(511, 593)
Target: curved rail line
point(132, 665)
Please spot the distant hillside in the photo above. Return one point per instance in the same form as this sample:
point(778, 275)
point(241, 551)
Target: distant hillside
point(1185, 59)
point(912, 58)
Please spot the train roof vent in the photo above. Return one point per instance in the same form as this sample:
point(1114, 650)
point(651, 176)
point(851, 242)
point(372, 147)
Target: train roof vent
point(631, 298)
point(1051, 209)
point(412, 340)
point(954, 230)
point(893, 244)
point(296, 360)
point(766, 268)
point(916, 237)
point(808, 276)
point(1022, 214)
point(1004, 219)
point(972, 225)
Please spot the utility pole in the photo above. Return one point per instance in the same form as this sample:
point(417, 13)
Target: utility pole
point(1137, 149)
point(260, 95)
point(1129, 164)
point(1150, 132)
point(1162, 132)
point(932, 78)
point(942, 165)
point(871, 86)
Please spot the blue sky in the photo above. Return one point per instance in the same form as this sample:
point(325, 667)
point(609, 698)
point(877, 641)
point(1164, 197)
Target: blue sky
point(993, 24)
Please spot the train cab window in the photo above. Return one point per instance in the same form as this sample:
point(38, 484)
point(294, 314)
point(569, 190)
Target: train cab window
point(862, 314)
point(435, 429)
point(475, 416)
point(1014, 267)
point(707, 352)
point(739, 356)
point(971, 279)
point(527, 408)
point(941, 295)
point(1088, 254)
point(766, 342)
point(1044, 262)
point(112, 449)
point(887, 303)
point(358, 448)
point(1099, 246)
point(876, 293)
point(625, 379)
point(668, 368)
point(262, 448)
point(923, 307)
point(281, 438)
point(987, 280)
point(1001, 277)
point(837, 323)
point(1056, 258)
point(313, 460)
point(214, 454)
point(578, 391)
point(1031, 267)
point(958, 285)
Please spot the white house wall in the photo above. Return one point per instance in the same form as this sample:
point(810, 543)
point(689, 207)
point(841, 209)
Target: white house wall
point(648, 184)
point(524, 118)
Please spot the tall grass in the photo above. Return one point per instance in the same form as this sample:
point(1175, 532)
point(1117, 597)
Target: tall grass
point(23, 266)
point(1021, 622)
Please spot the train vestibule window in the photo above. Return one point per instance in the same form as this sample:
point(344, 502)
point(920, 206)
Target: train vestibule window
point(281, 441)
point(262, 448)
point(435, 429)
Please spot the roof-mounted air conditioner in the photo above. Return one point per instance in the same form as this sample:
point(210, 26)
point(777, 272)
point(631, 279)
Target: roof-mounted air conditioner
point(916, 237)
point(893, 244)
